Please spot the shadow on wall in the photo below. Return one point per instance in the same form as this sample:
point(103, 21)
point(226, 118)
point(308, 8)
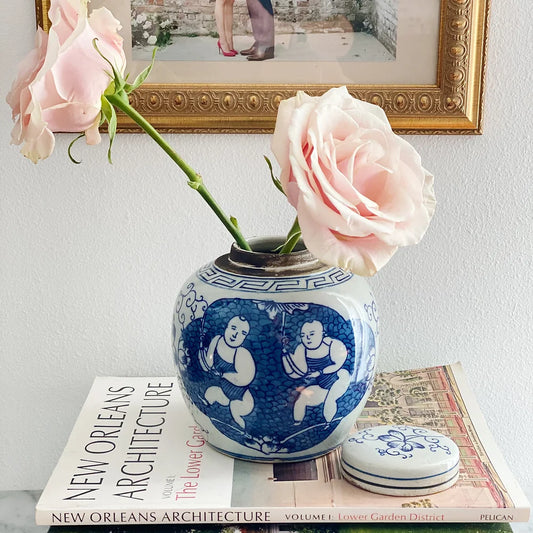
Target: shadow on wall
point(155, 22)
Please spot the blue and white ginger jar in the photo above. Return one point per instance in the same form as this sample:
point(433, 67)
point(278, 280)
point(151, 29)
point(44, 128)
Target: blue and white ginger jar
point(275, 353)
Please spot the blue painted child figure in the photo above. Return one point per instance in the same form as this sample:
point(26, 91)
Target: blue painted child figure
point(227, 358)
point(320, 359)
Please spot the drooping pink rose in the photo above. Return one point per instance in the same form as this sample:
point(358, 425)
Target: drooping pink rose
point(60, 83)
point(359, 190)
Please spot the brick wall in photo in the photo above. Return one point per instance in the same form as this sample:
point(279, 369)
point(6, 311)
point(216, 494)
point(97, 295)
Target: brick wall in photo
point(387, 23)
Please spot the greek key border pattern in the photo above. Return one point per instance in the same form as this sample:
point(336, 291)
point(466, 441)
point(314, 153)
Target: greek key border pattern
point(212, 275)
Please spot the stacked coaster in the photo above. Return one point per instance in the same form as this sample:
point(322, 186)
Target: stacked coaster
point(400, 460)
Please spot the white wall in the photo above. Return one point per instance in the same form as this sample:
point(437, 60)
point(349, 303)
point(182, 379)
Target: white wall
point(92, 257)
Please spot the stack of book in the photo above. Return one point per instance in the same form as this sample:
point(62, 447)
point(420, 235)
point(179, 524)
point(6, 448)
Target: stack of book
point(136, 461)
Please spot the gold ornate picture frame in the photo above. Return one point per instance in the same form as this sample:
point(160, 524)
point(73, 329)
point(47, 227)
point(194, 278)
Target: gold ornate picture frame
point(450, 103)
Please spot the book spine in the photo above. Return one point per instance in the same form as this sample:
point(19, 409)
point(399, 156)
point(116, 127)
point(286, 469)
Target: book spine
point(278, 515)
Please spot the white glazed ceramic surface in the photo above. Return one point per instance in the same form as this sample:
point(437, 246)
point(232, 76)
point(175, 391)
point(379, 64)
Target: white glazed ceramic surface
point(400, 460)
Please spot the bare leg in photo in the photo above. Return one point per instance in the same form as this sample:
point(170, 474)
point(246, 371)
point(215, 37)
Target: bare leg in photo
point(224, 21)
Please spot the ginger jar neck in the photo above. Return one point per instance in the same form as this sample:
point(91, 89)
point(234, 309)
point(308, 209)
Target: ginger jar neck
point(262, 261)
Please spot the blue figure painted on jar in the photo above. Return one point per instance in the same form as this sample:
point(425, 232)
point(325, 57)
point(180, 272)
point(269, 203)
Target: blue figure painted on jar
point(234, 364)
point(318, 358)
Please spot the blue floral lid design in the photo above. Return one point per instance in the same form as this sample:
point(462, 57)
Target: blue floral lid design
point(400, 460)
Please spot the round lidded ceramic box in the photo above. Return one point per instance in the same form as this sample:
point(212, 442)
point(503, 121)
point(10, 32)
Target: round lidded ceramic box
point(400, 460)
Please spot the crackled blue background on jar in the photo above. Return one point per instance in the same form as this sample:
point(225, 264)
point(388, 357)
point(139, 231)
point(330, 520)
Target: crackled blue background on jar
point(282, 386)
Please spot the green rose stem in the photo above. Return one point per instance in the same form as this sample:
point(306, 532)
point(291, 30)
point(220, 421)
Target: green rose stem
point(121, 101)
point(294, 235)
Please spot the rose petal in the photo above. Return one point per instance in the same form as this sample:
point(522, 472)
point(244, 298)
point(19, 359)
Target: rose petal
point(361, 255)
point(64, 16)
point(92, 134)
point(27, 71)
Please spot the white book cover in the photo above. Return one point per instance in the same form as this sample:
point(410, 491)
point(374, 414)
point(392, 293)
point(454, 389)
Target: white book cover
point(135, 456)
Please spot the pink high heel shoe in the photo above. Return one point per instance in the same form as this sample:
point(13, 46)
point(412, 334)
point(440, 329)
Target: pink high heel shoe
point(231, 53)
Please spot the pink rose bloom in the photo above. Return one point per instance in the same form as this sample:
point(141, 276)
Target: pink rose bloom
point(359, 190)
point(60, 83)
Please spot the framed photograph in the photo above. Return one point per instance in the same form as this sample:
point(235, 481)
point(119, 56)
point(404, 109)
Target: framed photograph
point(422, 61)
